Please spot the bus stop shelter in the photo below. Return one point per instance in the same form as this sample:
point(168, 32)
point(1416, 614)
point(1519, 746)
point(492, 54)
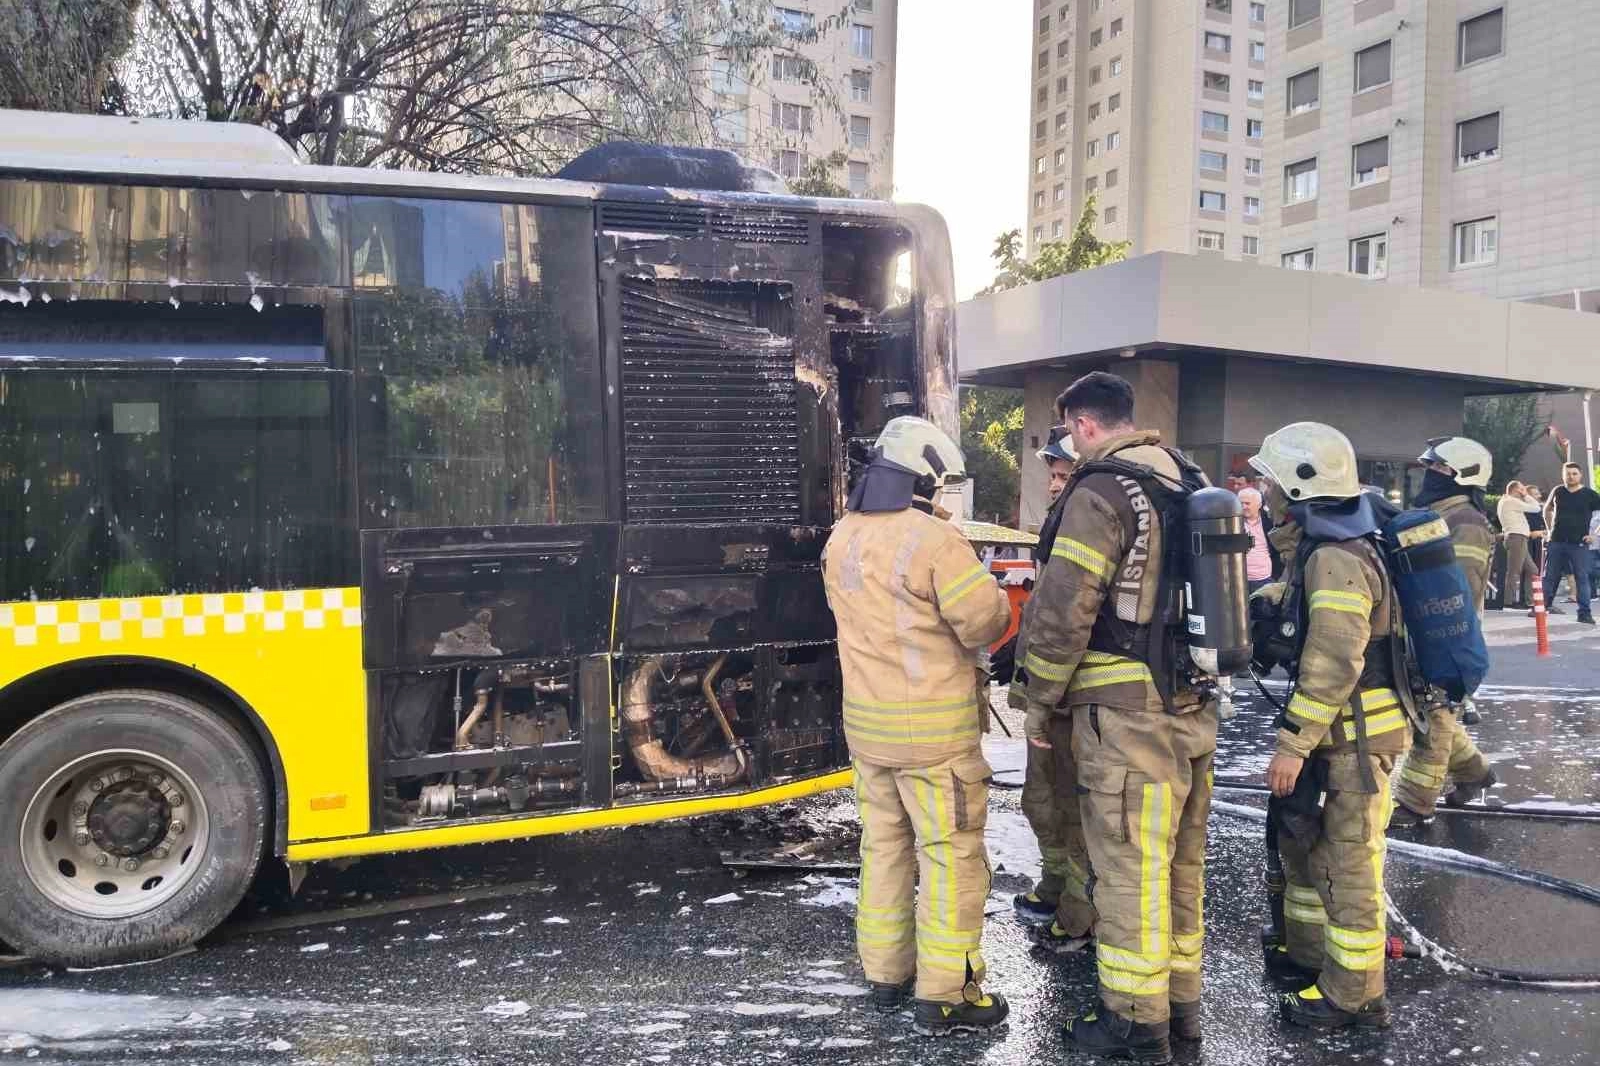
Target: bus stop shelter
point(1222, 353)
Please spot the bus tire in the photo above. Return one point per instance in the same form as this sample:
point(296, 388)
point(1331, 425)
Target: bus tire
point(132, 824)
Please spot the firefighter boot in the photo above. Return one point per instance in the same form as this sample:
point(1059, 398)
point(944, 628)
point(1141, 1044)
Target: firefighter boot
point(1033, 909)
point(1111, 1036)
point(1284, 971)
point(887, 998)
point(1464, 792)
point(1051, 937)
point(1406, 818)
point(1184, 1023)
point(945, 1019)
point(1313, 1010)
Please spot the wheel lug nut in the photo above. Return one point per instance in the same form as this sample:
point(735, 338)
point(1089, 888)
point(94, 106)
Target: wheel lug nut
point(80, 809)
point(178, 828)
point(102, 859)
point(177, 799)
point(156, 777)
point(160, 853)
point(130, 865)
point(97, 785)
point(80, 838)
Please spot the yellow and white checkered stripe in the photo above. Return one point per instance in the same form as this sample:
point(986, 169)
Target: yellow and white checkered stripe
point(85, 623)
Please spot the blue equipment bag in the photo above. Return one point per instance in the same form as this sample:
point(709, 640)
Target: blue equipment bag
point(1436, 602)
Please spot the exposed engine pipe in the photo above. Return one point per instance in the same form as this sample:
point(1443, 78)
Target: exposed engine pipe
point(463, 732)
point(652, 757)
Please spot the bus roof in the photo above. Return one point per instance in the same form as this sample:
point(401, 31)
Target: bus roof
point(144, 151)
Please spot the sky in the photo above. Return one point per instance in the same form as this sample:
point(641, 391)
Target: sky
point(961, 122)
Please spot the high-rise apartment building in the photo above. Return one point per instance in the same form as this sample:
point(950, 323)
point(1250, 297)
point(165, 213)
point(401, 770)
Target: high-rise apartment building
point(1156, 108)
point(777, 118)
point(1444, 143)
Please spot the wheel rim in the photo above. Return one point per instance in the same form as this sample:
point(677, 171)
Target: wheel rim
point(114, 834)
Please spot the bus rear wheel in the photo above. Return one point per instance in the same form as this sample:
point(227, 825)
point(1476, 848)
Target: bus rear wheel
point(132, 824)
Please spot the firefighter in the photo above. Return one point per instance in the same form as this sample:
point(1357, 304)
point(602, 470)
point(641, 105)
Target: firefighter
point(1143, 773)
point(1340, 734)
point(913, 605)
point(1058, 910)
point(1456, 471)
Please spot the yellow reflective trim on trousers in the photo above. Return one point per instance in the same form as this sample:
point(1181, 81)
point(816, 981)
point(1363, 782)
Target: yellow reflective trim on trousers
point(1348, 602)
point(1305, 913)
point(1312, 710)
point(1188, 943)
point(1421, 775)
point(1134, 984)
point(1077, 551)
point(1045, 669)
point(1155, 911)
point(1468, 551)
point(1302, 893)
point(953, 593)
point(1131, 961)
point(1186, 963)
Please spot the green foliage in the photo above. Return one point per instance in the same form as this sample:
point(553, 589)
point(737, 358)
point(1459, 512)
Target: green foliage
point(1507, 426)
point(58, 55)
point(1054, 258)
point(991, 440)
point(818, 178)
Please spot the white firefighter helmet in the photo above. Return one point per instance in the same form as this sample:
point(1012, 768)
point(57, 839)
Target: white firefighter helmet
point(1470, 460)
point(919, 447)
point(1309, 461)
point(1059, 447)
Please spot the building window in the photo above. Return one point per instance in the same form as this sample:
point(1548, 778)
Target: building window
point(1304, 11)
point(1038, 201)
point(788, 163)
point(1042, 97)
point(792, 118)
point(1038, 165)
point(1066, 10)
point(1096, 5)
point(1217, 82)
point(1477, 242)
point(861, 41)
point(1216, 161)
point(1258, 51)
point(1111, 216)
point(1211, 200)
point(861, 87)
point(1252, 128)
point(1258, 15)
point(1250, 245)
point(1482, 37)
point(1224, 6)
point(1116, 67)
point(858, 179)
point(860, 132)
point(864, 6)
point(1111, 178)
point(1113, 140)
point(1057, 230)
point(1063, 86)
point(1063, 49)
point(1214, 121)
point(1300, 181)
point(1372, 66)
point(1218, 42)
point(795, 22)
point(1256, 90)
point(1039, 130)
point(1061, 123)
point(1093, 148)
point(1044, 24)
point(733, 127)
point(1304, 259)
point(1252, 207)
point(1038, 234)
point(1094, 75)
point(1370, 162)
point(1060, 193)
point(1044, 59)
point(1090, 185)
point(788, 68)
point(1116, 29)
point(1113, 103)
point(1209, 240)
point(1061, 159)
point(1094, 112)
point(1369, 256)
point(1478, 139)
point(1305, 91)
point(1252, 166)
point(1095, 37)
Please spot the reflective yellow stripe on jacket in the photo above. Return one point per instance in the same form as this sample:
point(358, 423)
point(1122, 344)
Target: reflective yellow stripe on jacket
point(1076, 551)
point(913, 722)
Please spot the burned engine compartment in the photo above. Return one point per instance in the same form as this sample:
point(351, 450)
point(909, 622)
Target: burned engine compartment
point(686, 648)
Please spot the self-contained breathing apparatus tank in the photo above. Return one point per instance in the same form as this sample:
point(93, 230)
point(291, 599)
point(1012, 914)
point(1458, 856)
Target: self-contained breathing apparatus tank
point(1216, 600)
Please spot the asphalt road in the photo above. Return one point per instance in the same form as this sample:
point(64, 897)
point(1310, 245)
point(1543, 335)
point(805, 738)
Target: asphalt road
point(638, 946)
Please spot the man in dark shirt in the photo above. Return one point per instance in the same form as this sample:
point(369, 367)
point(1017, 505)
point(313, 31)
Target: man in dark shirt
point(1567, 515)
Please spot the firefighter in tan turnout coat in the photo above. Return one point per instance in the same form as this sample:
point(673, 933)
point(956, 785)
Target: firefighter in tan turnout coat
point(1143, 773)
point(913, 605)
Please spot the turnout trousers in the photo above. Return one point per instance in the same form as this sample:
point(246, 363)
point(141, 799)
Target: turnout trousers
point(1050, 802)
point(1333, 904)
point(1446, 751)
point(1145, 781)
point(923, 824)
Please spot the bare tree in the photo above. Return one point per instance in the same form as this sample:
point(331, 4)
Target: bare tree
point(57, 55)
point(505, 86)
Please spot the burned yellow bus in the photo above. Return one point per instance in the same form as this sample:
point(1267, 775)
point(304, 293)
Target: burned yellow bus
point(345, 512)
